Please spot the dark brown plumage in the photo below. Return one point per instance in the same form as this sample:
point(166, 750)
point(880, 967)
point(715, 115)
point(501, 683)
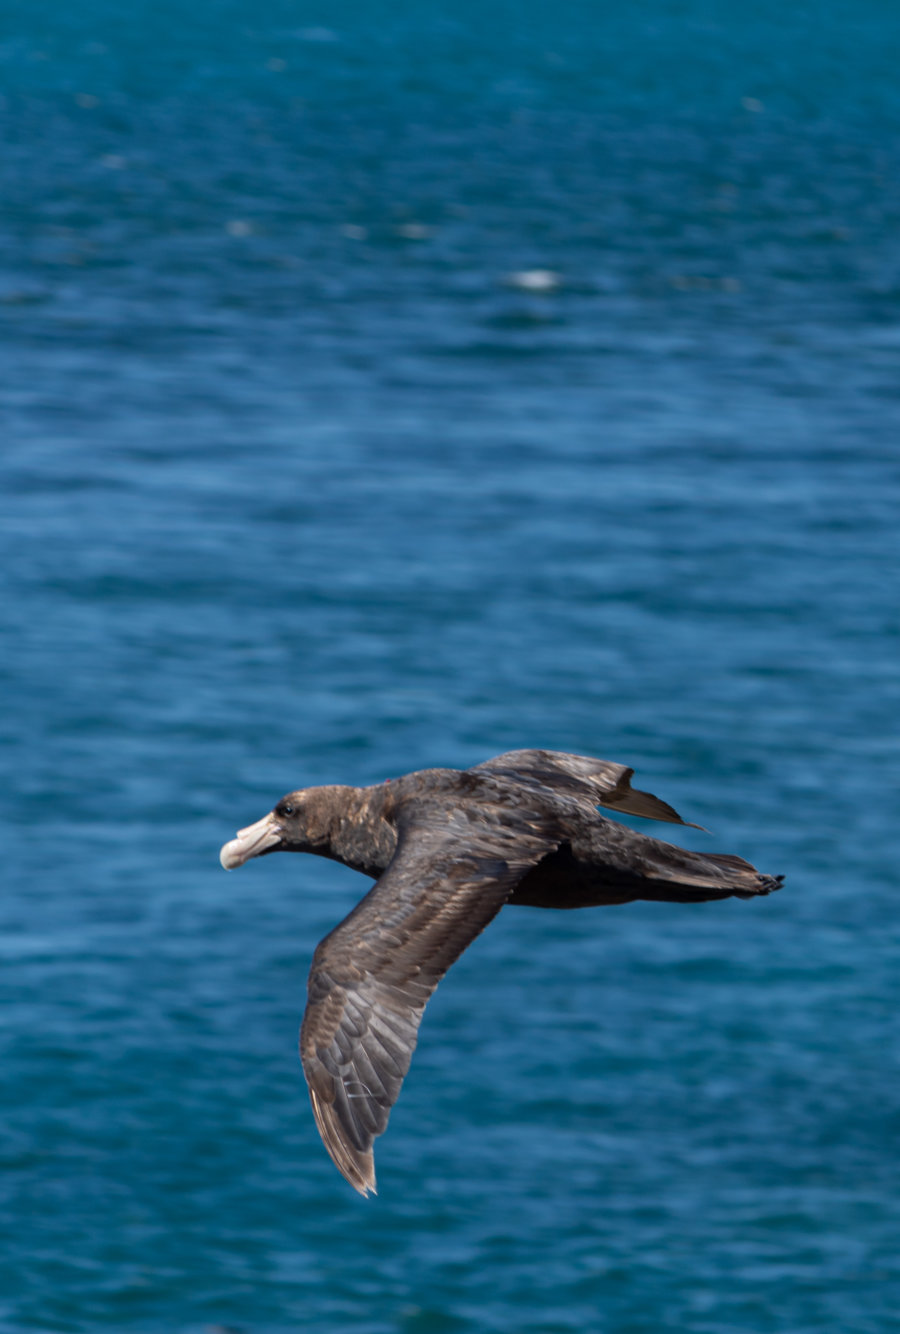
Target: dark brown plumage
point(448, 849)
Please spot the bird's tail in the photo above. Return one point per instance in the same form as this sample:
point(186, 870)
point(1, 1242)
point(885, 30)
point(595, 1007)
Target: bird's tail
point(701, 877)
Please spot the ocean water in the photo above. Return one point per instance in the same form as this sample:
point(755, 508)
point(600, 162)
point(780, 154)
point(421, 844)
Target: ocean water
point(302, 480)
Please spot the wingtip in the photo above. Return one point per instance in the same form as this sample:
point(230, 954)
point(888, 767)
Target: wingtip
point(360, 1173)
point(356, 1165)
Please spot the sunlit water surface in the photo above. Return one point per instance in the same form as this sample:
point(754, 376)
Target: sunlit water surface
point(308, 477)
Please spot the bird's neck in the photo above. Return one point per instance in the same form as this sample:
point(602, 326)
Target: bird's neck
point(354, 829)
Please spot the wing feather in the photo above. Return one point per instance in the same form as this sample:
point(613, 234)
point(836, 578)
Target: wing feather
point(607, 783)
point(372, 976)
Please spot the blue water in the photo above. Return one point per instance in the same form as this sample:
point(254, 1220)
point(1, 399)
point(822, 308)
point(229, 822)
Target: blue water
point(301, 482)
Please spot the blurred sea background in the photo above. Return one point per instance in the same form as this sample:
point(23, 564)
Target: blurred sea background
point(386, 387)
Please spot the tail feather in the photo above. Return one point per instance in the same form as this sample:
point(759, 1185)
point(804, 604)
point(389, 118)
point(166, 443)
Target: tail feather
point(748, 881)
point(700, 877)
point(661, 871)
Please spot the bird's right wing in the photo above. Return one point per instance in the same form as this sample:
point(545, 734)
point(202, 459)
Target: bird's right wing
point(603, 781)
point(373, 975)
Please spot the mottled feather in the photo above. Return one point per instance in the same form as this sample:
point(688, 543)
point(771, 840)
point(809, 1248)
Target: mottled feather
point(372, 976)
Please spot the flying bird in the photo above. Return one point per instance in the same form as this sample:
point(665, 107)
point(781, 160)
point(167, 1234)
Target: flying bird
point(448, 849)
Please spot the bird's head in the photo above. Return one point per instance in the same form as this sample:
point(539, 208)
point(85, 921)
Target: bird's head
point(298, 823)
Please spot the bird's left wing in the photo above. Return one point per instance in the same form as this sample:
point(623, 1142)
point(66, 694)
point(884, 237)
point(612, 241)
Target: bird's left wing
point(372, 976)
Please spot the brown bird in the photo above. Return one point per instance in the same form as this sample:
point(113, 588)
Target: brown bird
point(448, 849)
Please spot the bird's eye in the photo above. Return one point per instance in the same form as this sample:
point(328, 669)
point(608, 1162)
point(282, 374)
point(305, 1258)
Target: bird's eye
point(287, 809)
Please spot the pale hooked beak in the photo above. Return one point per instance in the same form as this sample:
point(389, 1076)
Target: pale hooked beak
point(251, 842)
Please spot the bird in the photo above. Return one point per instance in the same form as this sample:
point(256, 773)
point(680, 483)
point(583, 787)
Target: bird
point(447, 849)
